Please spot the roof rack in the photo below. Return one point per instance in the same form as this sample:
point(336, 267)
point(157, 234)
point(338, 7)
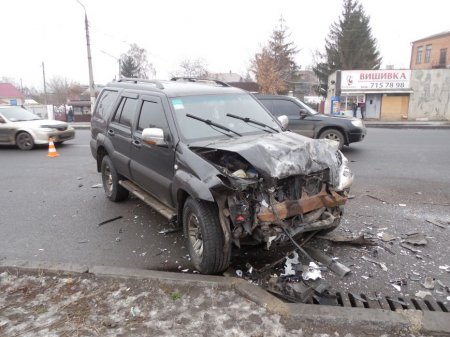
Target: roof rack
point(204, 80)
point(158, 84)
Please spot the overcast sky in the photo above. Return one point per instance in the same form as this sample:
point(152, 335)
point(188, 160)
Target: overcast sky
point(226, 34)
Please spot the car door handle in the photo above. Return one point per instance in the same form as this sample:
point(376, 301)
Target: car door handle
point(111, 132)
point(136, 143)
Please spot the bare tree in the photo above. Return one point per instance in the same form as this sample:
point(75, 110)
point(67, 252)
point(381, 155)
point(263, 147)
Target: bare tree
point(58, 90)
point(134, 63)
point(192, 68)
point(266, 71)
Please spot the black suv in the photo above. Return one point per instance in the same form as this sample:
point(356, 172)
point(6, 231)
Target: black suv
point(213, 160)
point(309, 123)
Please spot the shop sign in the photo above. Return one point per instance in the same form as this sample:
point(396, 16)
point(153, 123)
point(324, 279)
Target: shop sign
point(381, 80)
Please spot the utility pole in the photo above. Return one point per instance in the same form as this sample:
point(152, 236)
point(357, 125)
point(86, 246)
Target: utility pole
point(88, 44)
point(45, 85)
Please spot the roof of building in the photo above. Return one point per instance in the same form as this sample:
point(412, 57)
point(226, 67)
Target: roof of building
point(7, 90)
point(434, 36)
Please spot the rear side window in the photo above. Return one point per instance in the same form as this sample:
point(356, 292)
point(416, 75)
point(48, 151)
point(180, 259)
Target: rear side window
point(268, 104)
point(125, 111)
point(152, 116)
point(105, 103)
point(284, 107)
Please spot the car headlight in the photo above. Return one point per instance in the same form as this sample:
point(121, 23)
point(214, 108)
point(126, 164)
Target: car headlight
point(45, 129)
point(358, 123)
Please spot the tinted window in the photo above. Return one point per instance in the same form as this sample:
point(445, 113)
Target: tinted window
point(288, 108)
point(105, 103)
point(125, 111)
point(152, 116)
point(128, 111)
point(268, 104)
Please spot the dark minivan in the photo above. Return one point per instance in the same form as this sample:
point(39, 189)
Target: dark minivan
point(309, 123)
point(210, 158)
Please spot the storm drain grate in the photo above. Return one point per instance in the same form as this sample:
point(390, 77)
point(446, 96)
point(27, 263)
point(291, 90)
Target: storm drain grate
point(388, 303)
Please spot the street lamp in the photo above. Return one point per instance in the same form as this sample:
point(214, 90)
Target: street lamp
point(88, 44)
point(115, 58)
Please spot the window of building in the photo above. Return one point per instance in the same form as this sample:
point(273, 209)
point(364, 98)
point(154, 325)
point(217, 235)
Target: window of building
point(419, 54)
point(428, 53)
point(443, 57)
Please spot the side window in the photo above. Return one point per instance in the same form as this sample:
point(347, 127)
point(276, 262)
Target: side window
point(105, 103)
point(284, 107)
point(125, 111)
point(152, 116)
point(268, 104)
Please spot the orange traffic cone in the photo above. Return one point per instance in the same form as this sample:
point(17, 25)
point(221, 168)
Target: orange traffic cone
point(51, 149)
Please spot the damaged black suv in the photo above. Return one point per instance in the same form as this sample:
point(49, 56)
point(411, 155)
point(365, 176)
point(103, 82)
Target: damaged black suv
point(211, 157)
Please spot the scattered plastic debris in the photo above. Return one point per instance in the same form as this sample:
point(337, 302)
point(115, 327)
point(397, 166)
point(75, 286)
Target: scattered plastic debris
point(118, 239)
point(109, 220)
point(97, 186)
point(169, 230)
point(376, 198)
point(351, 240)
point(396, 286)
point(239, 273)
point(417, 239)
point(422, 294)
point(312, 273)
point(446, 268)
point(386, 237)
point(185, 270)
point(428, 283)
point(380, 264)
point(406, 246)
point(135, 312)
point(402, 205)
point(328, 262)
point(288, 270)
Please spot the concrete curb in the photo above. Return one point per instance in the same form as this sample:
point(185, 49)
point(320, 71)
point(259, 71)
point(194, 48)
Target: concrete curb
point(383, 321)
point(408, 126)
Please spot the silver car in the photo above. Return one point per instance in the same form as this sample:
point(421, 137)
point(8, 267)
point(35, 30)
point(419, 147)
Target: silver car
point(23, 128)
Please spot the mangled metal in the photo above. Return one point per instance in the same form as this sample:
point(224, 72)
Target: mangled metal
point(277, 186)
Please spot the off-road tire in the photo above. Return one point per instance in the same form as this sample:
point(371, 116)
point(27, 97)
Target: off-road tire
point(24, 141)
point(213, 259)
point(335, 135)
point(110, 178)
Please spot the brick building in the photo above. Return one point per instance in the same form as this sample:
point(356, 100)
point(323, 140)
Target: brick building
point(431, 52)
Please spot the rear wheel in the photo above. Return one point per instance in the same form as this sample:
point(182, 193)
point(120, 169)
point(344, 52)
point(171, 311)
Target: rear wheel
point(24, 141)
point(110, 178)
point(204, 237)
point(335, 135)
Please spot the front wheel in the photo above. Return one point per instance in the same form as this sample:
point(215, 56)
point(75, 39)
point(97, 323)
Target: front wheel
point(24, 141)
point(110, 178)
point(335, 135)
point(204, 237)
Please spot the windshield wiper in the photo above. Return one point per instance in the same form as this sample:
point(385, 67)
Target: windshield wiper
point(249, 120)
point(209, 122)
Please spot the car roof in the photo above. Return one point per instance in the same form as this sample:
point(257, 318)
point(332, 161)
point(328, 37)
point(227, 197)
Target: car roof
point(176, 88)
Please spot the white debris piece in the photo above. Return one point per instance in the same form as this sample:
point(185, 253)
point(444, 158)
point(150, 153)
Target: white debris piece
point(239, 273)
point(396, 286)
point(134, 311)
point(402, 205)
point(446, 268)
point(422, 294)
point(313, 272)
point(289, 263)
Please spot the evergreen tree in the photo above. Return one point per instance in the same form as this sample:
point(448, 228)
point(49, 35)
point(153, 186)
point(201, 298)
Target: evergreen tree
point(134, 63)
point(350, 44)
point(275, 64)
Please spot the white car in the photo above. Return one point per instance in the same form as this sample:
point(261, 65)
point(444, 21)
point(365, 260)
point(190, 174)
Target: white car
point(23, 128)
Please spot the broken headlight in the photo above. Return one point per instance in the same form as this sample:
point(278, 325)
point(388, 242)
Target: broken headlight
point(345, 175)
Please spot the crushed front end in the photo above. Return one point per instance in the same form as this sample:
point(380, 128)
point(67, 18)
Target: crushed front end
point(268, 205)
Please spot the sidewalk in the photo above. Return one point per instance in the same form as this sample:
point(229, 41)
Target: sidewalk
point(45, 299)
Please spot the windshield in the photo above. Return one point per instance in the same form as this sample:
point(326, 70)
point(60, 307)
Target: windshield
point(306, 107)
point(215, 109)
point(16, 114)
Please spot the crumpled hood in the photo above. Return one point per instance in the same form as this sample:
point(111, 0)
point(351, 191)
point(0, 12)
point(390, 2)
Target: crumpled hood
point(280, 155)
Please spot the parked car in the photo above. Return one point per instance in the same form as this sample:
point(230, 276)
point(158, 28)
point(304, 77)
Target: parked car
point(308, 122)
point(24, 129)
point(212, 158)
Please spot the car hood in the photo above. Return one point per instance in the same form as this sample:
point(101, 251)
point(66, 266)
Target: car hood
point(328, 117)
point(42, 123)
point(280, 155)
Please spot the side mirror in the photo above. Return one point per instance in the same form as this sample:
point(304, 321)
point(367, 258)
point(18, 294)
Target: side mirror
point(303, 113)
point(284, 121)
point(153, 136)
point(2, 121)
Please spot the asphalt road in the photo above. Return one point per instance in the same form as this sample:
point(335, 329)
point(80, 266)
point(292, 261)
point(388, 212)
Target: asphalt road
point(51, 211)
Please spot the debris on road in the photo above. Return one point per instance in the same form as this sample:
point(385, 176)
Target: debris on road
point(169, 230)
point(380, 264)
point(422, 294)
point(97, 186)
point(412, 249)
point(312, 273)
point(351, 240)
point(446, 268)
point(386, 237)
point(416, 239)
point(288, 270)
point(402, 205)
point(396, 286)
point(437, 222)
point(376, 198)
point(328, 262)
point(428, 283)
point(110, 220)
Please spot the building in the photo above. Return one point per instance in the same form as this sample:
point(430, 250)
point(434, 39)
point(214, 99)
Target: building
point(431, 52)
point(10, 95)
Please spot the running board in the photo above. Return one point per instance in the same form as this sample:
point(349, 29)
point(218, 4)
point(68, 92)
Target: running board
point(162, 209)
